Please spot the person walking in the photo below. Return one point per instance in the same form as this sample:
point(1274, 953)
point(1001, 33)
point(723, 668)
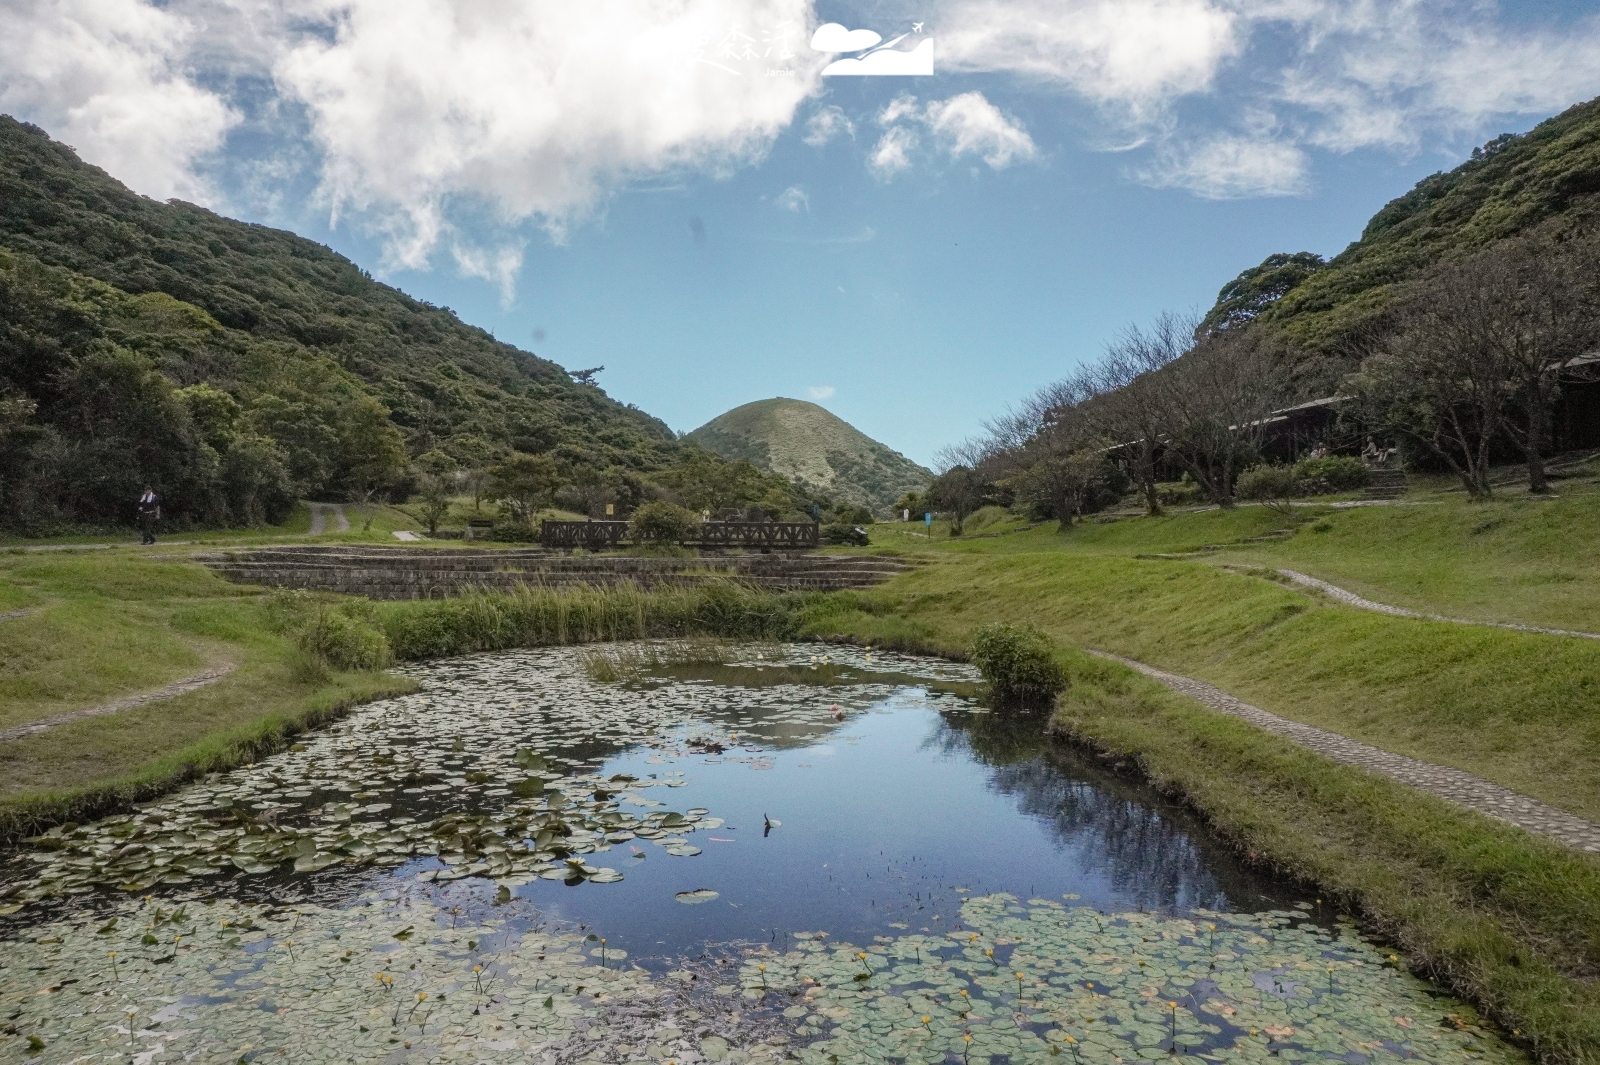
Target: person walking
point(149, 514)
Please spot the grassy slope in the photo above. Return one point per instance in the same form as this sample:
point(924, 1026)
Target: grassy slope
point(1510, 919)
point(110, 624)
point(808, 443)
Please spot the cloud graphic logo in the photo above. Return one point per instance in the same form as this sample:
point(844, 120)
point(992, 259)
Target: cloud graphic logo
point(908, 54)
point(832, 37)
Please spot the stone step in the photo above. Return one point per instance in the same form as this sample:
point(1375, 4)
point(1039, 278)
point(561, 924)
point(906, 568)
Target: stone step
point(398, 573)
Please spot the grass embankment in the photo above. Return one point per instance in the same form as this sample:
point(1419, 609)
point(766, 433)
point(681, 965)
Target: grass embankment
point(1507, 918)
point(106, 626)
point(110, 625)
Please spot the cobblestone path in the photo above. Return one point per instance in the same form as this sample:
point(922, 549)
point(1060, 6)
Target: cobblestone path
point(1455, 785)
point(177, 687)
point(1333, 591)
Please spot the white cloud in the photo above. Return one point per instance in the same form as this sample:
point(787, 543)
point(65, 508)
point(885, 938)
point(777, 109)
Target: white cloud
point(970, 125)
point(1388, 74)
point(1232, 167)
point(1131, 55)
point(535, 107)
point(967, 124)
point(821, 392)
point(826, 124)
point(500, 267)
point(110, 78)
point(793, 199)
point(892, 153)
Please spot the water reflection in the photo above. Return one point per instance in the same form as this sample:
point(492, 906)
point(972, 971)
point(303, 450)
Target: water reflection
point(1154, 853)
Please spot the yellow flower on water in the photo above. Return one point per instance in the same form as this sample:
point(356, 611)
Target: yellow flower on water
point(1071, 1040)
point(421, 995)
point(477, 968)
point(926, 1019)
point(1019, 976)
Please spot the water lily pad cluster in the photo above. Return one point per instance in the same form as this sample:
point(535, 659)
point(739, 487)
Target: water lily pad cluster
point(1045, 982)
point(397, 978)
point(490, 767)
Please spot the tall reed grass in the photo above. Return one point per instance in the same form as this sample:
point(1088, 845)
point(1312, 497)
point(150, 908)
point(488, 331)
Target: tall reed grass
point(537, 616)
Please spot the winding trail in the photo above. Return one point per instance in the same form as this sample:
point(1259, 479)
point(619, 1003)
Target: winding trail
point(1349, 598)
point(177, 687)
point(322, 512)
point(1454, 785)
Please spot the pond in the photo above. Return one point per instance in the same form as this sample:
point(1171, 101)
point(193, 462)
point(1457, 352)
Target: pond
point(681, 853)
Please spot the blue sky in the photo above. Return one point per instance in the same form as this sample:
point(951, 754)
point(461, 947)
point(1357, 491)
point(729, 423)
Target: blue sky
point(913, 252)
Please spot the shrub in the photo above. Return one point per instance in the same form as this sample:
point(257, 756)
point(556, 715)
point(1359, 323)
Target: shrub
point(1336, 473)
point(843, 533)
point(1179, 494)
point(1019, 664)
point(1266, 482)
point(344, 642)
point(514, 532)
point(661, 523)
point(984, 517)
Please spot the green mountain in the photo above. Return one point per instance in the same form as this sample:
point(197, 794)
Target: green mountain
point(812, 447)
point(1547, 180)
point(238, 365)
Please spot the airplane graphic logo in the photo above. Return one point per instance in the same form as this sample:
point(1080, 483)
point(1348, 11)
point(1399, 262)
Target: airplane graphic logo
point(908, 54)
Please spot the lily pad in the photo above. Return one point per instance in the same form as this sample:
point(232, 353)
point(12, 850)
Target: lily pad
point(697, 896)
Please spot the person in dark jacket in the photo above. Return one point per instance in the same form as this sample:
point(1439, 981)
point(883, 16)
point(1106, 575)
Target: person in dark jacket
point(149, 514)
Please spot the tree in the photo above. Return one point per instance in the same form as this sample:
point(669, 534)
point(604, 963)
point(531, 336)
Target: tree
point(1246, 296)
point(587, 490)
point(910, 502)
point(661, 522)
point(1542, 314)
point(1061, 466)
point(1218, 398)
point(371, 453)
point(958, 491)
point(707, 482)
point(525, 484)
point(477, 482)
point(1478, 353)
point(1124, 397)
point(435, 500)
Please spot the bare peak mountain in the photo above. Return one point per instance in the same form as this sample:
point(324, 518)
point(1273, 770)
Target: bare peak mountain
point(804, 442)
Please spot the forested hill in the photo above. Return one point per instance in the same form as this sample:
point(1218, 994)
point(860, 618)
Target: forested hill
point(813, 447)
point(238, 366)
point(1547, 180)
point(448, 385)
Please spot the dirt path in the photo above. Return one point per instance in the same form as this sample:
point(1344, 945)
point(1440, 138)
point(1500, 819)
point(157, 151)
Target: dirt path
point(322, 512)
point(179, 687)
point(1454, 785)
point(1349, 598)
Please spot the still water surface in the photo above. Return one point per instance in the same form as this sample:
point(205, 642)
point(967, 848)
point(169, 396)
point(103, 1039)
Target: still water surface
point(703, 839)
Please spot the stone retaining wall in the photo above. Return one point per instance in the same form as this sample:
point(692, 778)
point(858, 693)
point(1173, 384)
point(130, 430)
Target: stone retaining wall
point(401, 573)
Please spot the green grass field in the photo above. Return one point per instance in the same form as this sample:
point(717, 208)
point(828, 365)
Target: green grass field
point(1510, 919)
point(106, 624)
